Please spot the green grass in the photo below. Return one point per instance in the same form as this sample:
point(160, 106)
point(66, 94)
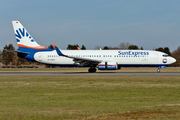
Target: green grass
point(56, 97)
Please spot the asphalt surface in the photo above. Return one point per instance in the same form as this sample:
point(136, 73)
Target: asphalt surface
point(89, 74)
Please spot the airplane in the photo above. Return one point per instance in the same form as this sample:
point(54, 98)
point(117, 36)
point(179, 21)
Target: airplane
point(94, 59)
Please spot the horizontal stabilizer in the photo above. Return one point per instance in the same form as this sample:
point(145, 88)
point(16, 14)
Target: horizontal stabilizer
point(17, 51)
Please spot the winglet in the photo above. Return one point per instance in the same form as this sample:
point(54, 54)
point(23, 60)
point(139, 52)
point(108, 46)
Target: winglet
point(58, 50)
point(78, 48)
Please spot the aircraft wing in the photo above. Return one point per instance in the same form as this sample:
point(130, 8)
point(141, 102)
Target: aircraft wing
point(82, 61)
point(85, 61)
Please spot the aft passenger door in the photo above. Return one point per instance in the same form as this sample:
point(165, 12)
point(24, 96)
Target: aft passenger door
point(40, 57)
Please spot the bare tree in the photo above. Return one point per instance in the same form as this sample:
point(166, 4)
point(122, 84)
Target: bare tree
point(124, 46)
point(176, 55)
point(9, 57)
point(97, 47)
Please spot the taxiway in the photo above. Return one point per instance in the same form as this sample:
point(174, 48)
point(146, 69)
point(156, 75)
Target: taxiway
point(89, 74)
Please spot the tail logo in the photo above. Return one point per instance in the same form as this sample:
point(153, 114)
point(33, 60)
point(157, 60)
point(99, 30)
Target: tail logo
point(20, 33)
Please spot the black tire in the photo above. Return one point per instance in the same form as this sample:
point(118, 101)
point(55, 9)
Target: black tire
point(158, 70)
point(92, 70)
point(89, 70)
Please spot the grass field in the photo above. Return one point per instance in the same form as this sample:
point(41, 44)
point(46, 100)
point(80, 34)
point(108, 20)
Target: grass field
point(89, 98)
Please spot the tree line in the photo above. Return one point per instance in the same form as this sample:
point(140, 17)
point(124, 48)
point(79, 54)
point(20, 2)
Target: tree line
point(10, 58)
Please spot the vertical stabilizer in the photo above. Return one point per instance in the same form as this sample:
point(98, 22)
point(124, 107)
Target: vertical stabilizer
point(24, 39)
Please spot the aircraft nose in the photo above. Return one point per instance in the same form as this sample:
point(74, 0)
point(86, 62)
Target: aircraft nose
point(173, 60)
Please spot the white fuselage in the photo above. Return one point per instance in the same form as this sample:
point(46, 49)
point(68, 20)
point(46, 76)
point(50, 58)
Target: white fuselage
point(121, 57)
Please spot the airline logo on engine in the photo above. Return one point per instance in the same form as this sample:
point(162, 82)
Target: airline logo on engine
point(132, 53)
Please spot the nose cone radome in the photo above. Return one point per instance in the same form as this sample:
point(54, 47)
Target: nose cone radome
point(173, 60)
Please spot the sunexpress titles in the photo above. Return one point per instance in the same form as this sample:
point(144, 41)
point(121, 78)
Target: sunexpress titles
point(132, 53)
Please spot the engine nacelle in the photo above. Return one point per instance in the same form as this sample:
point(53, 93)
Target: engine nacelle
point(108, 66)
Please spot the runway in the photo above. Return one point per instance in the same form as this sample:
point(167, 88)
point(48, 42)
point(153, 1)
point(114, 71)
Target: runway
point(89, 74)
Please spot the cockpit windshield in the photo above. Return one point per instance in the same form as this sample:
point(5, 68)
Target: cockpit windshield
point(165, 55)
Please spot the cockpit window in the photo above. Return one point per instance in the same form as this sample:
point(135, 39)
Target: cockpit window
point(165, 55)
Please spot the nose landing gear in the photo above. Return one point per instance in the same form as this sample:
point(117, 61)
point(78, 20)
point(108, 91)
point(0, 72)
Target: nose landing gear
point(158, 70)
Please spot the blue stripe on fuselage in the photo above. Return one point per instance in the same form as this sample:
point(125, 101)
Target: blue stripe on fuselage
point(31, 52)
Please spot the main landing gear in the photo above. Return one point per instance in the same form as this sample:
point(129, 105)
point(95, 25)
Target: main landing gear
point(158, 70)
point(92, 70)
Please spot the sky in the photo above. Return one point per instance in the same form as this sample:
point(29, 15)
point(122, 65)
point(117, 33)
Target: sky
point(147, 23)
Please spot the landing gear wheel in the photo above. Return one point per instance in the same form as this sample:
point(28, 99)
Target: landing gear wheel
point(92, 70)
point(89, 70)
point(158, 70)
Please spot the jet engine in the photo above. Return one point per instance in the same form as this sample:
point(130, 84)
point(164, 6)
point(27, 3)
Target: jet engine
point(108, 66)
